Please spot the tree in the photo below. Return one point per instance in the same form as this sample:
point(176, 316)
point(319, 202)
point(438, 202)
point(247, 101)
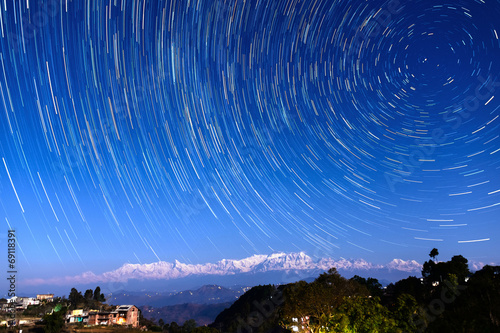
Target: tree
point(174, 328)
point(255, 311)
point(434, 253)
point(54, 322)
point(98, 296)
point(411, 285)
point(483, 292)
point(459, 267)
point(372, 284)
point(360, 315)
point(145, 322)
point(205, 329)
point(297, 302)
point(438, 272)
point(473, 306)
point(189, 325)
point(406, 313)
point(89, 295)
point(75, 298)
point(319, 299)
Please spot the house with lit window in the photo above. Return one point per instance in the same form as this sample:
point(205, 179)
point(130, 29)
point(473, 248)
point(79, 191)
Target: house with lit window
point(127, 315)
point(45, 297)
point(77, 316)
point(99, 318)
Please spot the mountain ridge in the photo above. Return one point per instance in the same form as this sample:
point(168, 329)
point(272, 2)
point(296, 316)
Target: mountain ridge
point(295, 262)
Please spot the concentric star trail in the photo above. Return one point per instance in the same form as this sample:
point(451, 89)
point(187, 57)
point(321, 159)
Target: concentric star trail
point(152, 130)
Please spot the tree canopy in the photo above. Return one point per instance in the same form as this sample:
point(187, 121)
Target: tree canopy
point(317, 300)
point(434, 253)
point(89, 300)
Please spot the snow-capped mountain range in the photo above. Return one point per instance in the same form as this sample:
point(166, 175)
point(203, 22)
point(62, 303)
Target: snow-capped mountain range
point(256, 264)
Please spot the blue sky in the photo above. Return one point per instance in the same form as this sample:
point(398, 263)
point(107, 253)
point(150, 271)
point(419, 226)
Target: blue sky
point(162, 131)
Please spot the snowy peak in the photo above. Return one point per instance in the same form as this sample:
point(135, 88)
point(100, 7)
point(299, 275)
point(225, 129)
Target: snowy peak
point(283, 261)
point(279, 261)
point(276, 262)
point(405, 266)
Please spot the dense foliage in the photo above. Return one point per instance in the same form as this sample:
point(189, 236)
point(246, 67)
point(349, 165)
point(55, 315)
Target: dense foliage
point(54, 322)
point(255, 311)
point(90, 300)
point(448, 298)
point(318, 299)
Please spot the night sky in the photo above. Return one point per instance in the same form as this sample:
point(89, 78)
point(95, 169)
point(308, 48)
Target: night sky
point(139, 131)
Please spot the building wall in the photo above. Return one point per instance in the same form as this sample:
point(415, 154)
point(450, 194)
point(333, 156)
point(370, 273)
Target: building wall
point(41, 297)
point(113, 318)
point(99, 319)
point(133, 317)
point(92, 319)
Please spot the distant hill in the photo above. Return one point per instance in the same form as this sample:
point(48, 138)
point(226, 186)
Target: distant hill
point(203, 314)
point(208, 294)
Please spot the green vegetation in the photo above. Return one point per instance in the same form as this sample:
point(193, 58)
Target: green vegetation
point(373, 286)
point(361, 314)
point(449, 298)
point(53, 313)
point(189, 326)
point(90, 300)
point(54, 322)
point(318, 299)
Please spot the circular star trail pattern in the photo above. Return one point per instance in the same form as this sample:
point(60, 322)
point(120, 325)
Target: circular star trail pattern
point(202, 129)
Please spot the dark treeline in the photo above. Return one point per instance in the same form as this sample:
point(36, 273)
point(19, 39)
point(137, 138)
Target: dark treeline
point(448, 298)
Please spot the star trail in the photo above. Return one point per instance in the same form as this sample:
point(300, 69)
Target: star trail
point(146, 130)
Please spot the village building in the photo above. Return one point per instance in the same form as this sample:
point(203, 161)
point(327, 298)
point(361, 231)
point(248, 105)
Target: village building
point(22, 302)
point(45, 297)
point(98, 318)
point(77, 316)
point(126, 315)
point(3, 304)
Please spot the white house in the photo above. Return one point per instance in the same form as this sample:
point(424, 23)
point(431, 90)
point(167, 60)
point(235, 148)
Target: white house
point(23, 302)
